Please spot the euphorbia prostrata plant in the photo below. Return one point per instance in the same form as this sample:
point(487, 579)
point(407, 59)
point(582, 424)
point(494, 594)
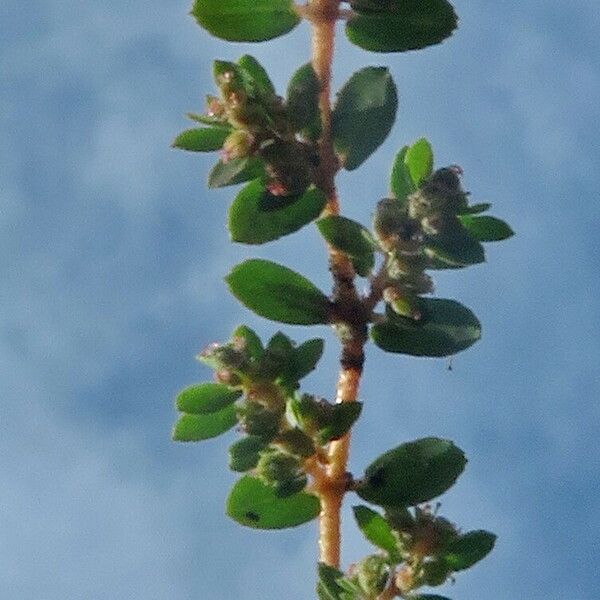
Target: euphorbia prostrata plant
point(286, 150)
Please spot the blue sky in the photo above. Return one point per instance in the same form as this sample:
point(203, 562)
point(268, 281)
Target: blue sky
point(113, 254)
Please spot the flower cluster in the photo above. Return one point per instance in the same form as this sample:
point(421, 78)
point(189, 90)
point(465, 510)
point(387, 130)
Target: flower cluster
point(282, 428)
point(280, 133)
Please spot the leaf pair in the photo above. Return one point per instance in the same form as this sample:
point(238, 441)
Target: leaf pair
point(208, 409)
point(280, 294)
point(375, 25)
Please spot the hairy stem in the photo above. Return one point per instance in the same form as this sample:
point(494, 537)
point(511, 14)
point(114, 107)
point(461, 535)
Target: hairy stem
point(332, 487)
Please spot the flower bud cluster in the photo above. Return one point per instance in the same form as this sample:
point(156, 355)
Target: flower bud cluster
point(404, 230)
point(420, 549)
point(370, 576)
point(282, 428)
point(261, 127)
point(424, 539)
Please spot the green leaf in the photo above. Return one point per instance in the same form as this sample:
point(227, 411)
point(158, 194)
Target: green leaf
point(377, 530)
point(419, 161)
point(235, 171)
point(363, 115)
point(363, 265)
point(202, 139)
point(252, 343)
point(303, 99)
point(343, 417)
point(401, 182)
point(206, 398)
point(209, 120)
point(486, 229)
point(469, 549)
point(456, 247)
point(475, 209)
point(194, 428)
point(327, 586)
point(402, 25)
point(252, 220)
point(350, 237)
point(281, 346)
point(255, 504)
point(256, 77)
point(278, 293)
point(412, 473)
point(351, 589)
point(446, 327)
point(306, 357)
point(246, 20)
point(244, 454)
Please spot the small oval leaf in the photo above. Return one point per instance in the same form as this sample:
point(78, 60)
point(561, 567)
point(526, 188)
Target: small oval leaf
point(457, 248)
point(350, 237)
point(245, 453)
point(202, 139)
point(254, 504)
point(363, 115)
point(252, 220)
point(419, 161)
point(278, 293)
point(194, 428)
point(327, 584)
point(246, 20)
point(343, 416)
point(401, 183)
point(412, 473)
point(445, 328)
point(208, 120)
point(303, 99)
point(306, 357)
point(469, 549)
point(252, 344)
point(377, 530)
point(475, 209)
point(206, 398)
point(486, 229)
point(256, 77)
point(402, 25)
point(235, 171)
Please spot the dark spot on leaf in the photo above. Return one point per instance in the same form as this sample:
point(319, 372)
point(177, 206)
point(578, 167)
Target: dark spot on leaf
point(252, 516)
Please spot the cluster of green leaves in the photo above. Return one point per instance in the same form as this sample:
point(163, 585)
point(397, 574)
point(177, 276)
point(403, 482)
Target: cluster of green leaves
point(375, 25)
point(271, 144)
point(257, 390)
point(261, 136)
point(416, 547)
point(284, 430)
point(427, 225)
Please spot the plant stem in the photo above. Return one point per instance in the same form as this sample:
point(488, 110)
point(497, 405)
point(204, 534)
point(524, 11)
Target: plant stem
point(332, 487)
point(391, 591)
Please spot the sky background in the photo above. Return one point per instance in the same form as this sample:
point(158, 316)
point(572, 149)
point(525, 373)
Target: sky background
point(112, 257)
